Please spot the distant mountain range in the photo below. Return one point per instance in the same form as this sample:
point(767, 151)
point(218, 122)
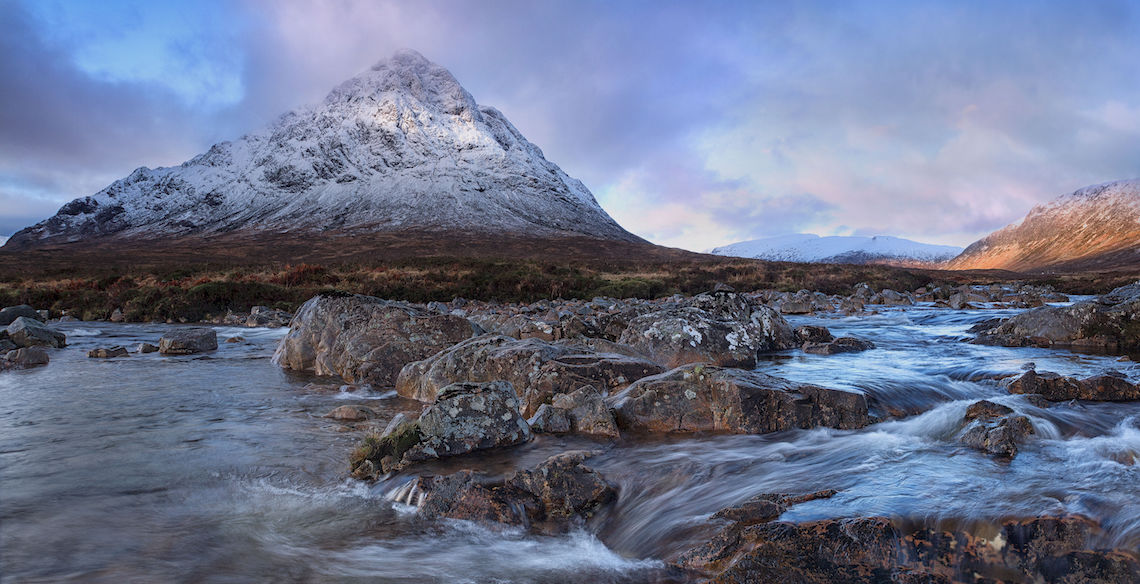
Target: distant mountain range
point(399, 148)
point(805, 247)
point(1094, 228)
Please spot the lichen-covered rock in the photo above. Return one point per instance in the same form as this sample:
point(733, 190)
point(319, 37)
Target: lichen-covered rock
point(840, 345)
point(108, 353)
point(698, 398)
point(582, 411)
point(551, 496)
point(537, 369)
point(723, 329)
point(1110, 322)
point(29, 332)
point(1111, 386)
point(188, 341)
point(467, 417)
point(364, 339)
point(875, 549)
point(994, 429)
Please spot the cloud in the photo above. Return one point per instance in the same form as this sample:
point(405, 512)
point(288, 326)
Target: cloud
point(694, 125)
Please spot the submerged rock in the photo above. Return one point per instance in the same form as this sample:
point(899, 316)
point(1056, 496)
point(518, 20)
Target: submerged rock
point(698, 398)
point(559, 491)
point(537, 369)
point(147, 348)
point(108, 353)
point(30, 332)
point(364, 339)
point(1110, 386)
point(840, 345)
point(188, 341)
point(349, 413)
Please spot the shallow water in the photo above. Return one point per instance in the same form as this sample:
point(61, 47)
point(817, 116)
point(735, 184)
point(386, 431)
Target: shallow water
point(221, 469)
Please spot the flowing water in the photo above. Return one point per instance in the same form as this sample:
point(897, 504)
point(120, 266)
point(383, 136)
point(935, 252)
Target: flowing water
point(221, 468)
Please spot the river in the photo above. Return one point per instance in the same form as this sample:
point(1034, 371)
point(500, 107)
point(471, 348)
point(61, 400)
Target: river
point(221, 468)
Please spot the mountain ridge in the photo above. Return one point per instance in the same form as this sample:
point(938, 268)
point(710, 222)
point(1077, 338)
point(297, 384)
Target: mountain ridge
point(1095, 227)
point(810, 248)
point(401, 146)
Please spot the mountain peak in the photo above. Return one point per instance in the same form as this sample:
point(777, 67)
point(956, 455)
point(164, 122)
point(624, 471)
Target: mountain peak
point(400, 147)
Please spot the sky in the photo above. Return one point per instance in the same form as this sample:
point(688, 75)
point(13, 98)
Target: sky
point(694, 124)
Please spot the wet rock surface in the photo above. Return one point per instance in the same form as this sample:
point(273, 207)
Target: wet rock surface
point(364, 339)
point(875, 549)
point(188, 341)
point(537, 369)
point(995, 429)
point(1106, 323)
point(840, 345)
point(1110, 386)
point(108, 352)
point(24, 358)
point(698, 398)
point(557, 493)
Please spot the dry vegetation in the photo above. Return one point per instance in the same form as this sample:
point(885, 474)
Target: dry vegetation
point(198, 280)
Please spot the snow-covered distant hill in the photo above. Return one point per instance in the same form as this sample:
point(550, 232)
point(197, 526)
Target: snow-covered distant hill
point(805, 247)
point(399, 148)
point(1097, 227)
point(3, 238)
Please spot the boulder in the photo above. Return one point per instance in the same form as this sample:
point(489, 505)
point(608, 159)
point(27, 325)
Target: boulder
point(27, 357)
point(29, 332)
point(1111, 386)
point(537, 369)
point(364, 339)
point(552, 496)
point(813, 334)
point(875, 549)
point(11, 313)
point(994, 429)
point(465, 417)
point(147, 348)
point(117, 315)
point(840, 345)
point(727, 331)
point(698, 398)
point(187, 341)
point(237, 339)
point(263, 316)
point(108, 353)
point(1107, 323)
point(582, 411)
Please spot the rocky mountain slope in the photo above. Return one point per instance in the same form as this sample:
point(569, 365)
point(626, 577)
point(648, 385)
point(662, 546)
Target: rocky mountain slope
point(1097, 227)
point(401, 147)
point(809, 248)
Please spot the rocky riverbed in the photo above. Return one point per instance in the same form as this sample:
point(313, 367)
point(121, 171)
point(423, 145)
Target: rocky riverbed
point(936, 435)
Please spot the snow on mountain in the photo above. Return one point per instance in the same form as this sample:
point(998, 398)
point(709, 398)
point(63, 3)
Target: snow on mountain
point(1097, 227)
point(805, 247)
point(3, 238)
point(400, 147)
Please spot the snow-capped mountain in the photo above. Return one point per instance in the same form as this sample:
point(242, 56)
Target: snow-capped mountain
point(401, 147)
point(805, 247)
point(1097, 227)
point(3, 238)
